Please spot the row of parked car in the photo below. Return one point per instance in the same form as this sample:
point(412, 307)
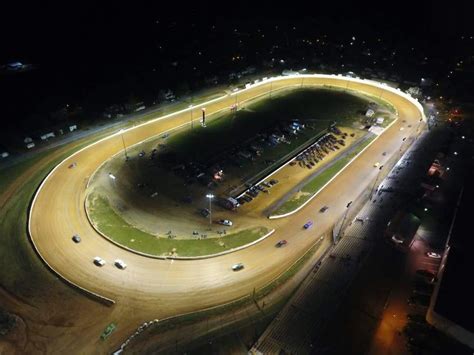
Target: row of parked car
point(253, 191)
point(316, 152)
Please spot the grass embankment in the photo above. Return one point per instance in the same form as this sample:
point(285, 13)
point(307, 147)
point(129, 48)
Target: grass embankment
point(313, 186)
point(117, 229)
point(18, 261)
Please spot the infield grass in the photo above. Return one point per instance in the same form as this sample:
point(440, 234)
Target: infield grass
point(117, 229)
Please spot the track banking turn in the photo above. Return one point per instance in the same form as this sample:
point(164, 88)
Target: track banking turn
point(169, 287)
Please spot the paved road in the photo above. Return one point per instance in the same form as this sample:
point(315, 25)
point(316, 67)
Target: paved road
point(160, 288)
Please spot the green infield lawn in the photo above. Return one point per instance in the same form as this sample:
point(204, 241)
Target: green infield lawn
point(113, 226)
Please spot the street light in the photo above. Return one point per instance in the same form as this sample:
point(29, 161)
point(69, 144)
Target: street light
point(210, 197)
point(124, 147)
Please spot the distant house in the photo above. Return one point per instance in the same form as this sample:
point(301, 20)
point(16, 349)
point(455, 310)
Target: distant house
point(379, 120)
point(72, 128)
point(15, 66)
point(287, 72)
point(168, 95)
point(28, 140)
point(370, 112)
point(47, 135)
point(30, 145)
point(414, 91)
point(4, 155)
point(133, 106)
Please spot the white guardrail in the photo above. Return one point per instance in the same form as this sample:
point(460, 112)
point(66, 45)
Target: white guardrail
point(247, 88)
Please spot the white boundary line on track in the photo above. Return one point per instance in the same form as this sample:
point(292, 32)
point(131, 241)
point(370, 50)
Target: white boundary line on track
point(263, 82)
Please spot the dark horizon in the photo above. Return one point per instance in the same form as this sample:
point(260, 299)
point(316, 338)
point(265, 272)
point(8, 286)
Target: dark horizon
point(95, 56)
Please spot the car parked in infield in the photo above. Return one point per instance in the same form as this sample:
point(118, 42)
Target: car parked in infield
point(225, 222)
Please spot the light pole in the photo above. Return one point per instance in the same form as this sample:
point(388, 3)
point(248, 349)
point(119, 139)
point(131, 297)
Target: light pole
point(123, 142)
point(343, 220)
point(113, 178)
point(210, 197)
point(192, 123)
point(375, 182)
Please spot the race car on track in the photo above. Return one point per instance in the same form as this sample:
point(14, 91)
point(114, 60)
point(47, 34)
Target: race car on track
point(237, 267)
point(99, 261)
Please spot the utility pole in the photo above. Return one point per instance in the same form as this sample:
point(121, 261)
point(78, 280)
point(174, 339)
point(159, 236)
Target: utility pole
point(343, 220)
point(192, 123)
point(375, 182)
point(124, 147)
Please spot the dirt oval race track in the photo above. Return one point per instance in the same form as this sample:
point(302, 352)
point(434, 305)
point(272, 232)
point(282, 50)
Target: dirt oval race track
point(164, 287)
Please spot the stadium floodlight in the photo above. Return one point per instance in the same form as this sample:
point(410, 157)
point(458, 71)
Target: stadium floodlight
point(210, 197)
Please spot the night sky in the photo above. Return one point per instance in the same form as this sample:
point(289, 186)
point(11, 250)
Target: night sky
point(94, 54)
